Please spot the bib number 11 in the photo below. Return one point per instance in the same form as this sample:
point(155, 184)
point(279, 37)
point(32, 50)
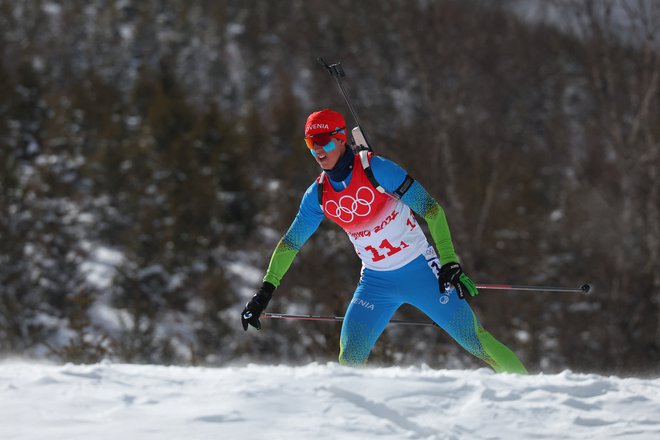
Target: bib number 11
point(386, 246)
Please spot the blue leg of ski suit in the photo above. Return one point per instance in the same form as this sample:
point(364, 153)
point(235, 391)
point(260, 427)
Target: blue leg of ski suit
point(380, 293)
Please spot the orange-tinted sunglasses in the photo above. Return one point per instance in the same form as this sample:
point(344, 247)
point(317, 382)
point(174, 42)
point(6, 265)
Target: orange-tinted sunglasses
point(321, 139)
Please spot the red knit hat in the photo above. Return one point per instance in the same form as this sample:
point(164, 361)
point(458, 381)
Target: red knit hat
point(325, 121)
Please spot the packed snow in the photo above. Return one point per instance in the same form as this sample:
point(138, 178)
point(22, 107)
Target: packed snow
point(119, 401)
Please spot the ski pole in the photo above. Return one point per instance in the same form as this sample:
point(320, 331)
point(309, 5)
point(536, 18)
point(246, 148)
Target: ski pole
point(585, 288)
point(338, 73)
point(337, 319)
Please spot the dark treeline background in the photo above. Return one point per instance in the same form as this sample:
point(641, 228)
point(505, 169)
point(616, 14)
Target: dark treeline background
point(152, 156)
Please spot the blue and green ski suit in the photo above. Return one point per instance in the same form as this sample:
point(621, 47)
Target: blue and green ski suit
point(399, 266)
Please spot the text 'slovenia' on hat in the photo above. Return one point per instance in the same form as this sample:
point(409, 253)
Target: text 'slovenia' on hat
point(325, 121)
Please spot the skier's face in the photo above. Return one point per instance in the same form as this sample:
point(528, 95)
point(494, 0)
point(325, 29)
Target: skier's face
point(327, 156)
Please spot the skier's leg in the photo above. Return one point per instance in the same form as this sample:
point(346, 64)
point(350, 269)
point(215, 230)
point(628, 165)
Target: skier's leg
point(503, 360)
point(371, 308)
point(456, 317)
point(466, 329)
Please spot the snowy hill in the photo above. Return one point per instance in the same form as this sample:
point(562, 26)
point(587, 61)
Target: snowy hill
point(111, 401)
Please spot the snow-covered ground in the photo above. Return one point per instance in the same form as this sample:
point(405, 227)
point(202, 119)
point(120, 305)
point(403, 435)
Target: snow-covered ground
point(118, 401)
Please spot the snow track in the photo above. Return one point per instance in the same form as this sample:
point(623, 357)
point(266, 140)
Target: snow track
point(111, 401)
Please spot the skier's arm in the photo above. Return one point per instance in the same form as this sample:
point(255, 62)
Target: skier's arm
point(421, 202)
point(451, 272)
point(391, 176)
point(306, 222)
point(304, 225)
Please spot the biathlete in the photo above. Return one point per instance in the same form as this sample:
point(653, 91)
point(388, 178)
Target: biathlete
point(373, 200)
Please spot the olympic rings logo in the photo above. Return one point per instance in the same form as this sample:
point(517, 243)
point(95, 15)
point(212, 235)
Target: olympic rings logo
point(350, 207)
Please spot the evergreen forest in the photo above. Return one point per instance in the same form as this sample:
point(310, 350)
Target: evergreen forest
point(152, 156)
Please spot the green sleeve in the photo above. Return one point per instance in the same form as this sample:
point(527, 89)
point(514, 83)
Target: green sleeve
point(421, 202)
point(307, 220)
point(437, 221)
point(280, 262)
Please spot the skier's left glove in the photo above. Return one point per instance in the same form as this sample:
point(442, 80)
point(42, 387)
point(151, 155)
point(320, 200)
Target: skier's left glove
point(255, 307)
point(451, 274)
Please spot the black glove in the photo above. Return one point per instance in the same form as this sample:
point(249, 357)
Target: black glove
point(451, 274)
point(256, 306)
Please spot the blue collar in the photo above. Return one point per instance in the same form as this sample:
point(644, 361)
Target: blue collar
point(343, 167)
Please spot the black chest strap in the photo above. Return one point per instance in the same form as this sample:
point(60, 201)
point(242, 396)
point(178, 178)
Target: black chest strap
point(366, 166)
point(319, 188)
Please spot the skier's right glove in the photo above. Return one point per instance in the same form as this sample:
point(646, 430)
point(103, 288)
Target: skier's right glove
point(451, 274)
point(255, 307)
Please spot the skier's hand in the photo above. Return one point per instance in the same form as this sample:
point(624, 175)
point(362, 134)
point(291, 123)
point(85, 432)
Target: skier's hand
point(451, 274)
point(255, 307)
